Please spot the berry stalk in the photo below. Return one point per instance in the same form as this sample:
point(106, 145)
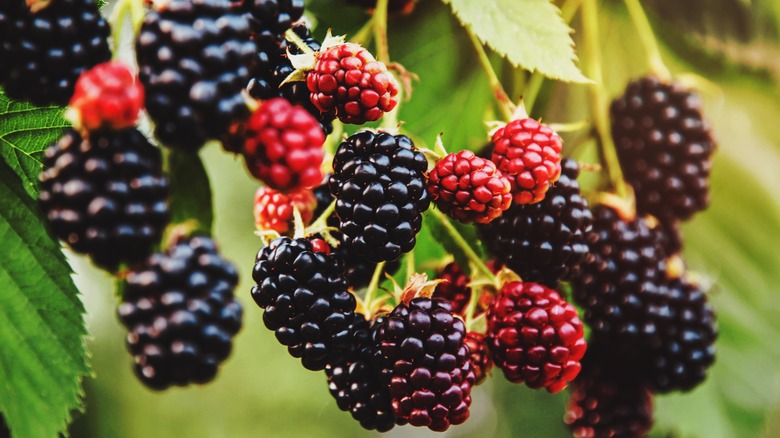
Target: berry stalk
point(504, 102)
point(599, 103)
point(373, 286)
point(461, 242)
point(380, 32)
point(647, 38)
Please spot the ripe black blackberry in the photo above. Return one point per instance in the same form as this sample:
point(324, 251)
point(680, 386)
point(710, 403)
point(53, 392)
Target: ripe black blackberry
point(619, 281)
point(425, 362)
point(684, 347)
point(181, 314)
point(44, 52)
point(105, 195)
point(665, 148)
point(306, 300)
point(354, 380)
point(544, 242)
point(608, 404)
point(194, 57)
point(271, 18)
point(379, 184)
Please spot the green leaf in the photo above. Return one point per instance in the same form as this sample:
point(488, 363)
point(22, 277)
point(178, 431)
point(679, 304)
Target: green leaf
point(25, 132)
point(529, 33)
point(43, 355)
point(190, 190)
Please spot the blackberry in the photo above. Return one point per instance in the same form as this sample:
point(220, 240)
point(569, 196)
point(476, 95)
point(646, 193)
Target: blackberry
point(379, 185)
point(357, 269)
point(355, 383)
point(271, 18)
point(180, 311)
point(426, 364)
point(194, 59)
point(44, 52)
point(665, 148)
point(105, 195)
point(606, 404)
point(455, 287)
point(273, 67)
point(544, 242)
point(479, 356)
point(306, 300)
point(618, 281)
point(683, 347)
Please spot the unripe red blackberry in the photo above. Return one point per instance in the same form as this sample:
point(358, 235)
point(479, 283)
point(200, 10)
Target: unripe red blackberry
point(401, 7)
point(535, 336)
point(357, 269)
point(355, 382)
point(426, 363)
point(604, 404)
point(306, 301)
point(283, 146)
point(529, 154)
point(479, 354)
point(181, 314)
point(544, 242)
point(469, 188)
point(105, 195)
point(194, 59)
point(108, 95)
point(274, 209)
point(42, 53)
point(454, 288)
point(665, 148)
point(349, 83)
point(379, 183)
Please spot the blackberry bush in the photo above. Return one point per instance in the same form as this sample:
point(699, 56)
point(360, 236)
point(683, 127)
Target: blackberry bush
point(379, 183)
point(44, 52)
point(181, 315)
point(105, 195)
point(195, 57)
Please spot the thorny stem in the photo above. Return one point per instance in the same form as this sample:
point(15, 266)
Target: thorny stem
point(373, 286)
point(598, 98)
point(648, 40)
point(461, 242)
point(504, 102)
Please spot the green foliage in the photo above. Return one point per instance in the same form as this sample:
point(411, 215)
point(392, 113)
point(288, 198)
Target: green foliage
point(190, 190)
point(25, 132)
point(43, 356)
point(530, 33)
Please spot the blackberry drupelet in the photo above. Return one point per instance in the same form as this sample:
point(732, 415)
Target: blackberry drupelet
point(606, 404)
point(105, 195)
point(455, 287)
point(665, 148)
point(357, 269)
point(181, 313)
point(194, 57)
point(683, 347)
point(544, 242)
point(44, 52)
point(306, 300)
point(620, 280)
point(479, 355)
point(379, 185)
point(270, 19)
point(426, 364)
point(354, 380)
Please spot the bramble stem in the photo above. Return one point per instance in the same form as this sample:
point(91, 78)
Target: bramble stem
point(373, 286)
point(504, 102)
point(364, 35)
point(647, 38)
point(380, 32)
point(598, 98)
point(461, 242)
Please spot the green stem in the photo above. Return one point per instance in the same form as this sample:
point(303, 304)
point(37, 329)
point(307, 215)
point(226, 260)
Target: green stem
point(411, 266)
point(293, 37)
point(461, 242)
point(471, 307)
point(504, 102)
point(380, 32)
point(649, 42)
point(373, 286)
point(599, 99)
point(117, 21)
point(321, 222)
point(364, 35)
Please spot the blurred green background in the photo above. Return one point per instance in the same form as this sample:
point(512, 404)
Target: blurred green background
point(262, 392)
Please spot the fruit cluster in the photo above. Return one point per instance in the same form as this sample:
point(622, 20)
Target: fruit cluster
point(250, 74)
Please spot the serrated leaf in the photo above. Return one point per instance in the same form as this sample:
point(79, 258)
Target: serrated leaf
point(190, 190)
point(443, 237)
point(43, 355)
point(25, 132)
point(529, 33)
